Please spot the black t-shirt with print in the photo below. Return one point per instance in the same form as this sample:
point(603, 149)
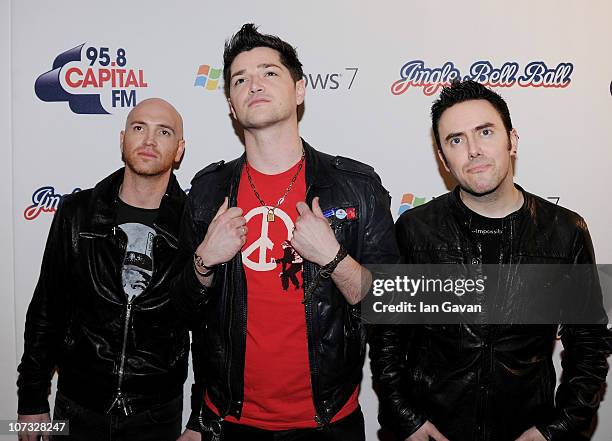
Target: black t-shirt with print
point(137, 224)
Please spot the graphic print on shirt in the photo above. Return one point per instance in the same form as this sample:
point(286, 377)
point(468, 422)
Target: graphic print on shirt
point(260, 254)
point(138, 263)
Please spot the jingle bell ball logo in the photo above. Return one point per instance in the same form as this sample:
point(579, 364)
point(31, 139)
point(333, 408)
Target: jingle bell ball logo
point(92, 79)
point(415, 74)
point(44, 200)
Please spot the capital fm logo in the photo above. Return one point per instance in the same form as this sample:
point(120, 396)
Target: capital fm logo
point(331, 81)
point(415, 74)
point(92, 79)
point(44, 200)
point(409, 201)
point(208, 77)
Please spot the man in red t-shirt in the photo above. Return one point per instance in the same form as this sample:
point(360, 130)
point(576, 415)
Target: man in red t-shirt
point(279, 237)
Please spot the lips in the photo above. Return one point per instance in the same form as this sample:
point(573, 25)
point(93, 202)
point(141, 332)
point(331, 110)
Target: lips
point(256, 101)
point(146, 154)
point(478, 168)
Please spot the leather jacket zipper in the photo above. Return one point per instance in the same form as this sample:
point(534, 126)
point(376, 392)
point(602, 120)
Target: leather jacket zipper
point(119, 398)
point(232, 202)
point(312, 356)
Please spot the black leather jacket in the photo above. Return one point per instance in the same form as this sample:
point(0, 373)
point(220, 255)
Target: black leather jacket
point(79, 318)
point(336, 337)
point(490, 382)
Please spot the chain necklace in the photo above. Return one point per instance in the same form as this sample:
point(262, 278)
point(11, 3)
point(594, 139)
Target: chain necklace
point(271, 215)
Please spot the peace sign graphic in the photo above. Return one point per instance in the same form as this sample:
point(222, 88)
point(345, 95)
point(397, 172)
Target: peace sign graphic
point(263, 243)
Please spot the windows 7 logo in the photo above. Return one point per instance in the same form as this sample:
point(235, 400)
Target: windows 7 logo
point(410, 201)
point(208, 77)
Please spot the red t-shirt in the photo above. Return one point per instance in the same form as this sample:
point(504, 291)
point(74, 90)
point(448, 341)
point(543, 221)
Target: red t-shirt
point(277, 388)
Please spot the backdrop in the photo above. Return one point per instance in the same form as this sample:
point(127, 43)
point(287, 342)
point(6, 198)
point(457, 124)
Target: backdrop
point(73, 70)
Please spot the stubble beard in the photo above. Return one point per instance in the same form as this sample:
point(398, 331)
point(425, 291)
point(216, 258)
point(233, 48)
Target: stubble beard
point(475, 193)
point(147, 171)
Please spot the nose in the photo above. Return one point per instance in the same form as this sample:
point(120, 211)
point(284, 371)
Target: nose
point(255, 85)
point(474, 149)
point(150, 137)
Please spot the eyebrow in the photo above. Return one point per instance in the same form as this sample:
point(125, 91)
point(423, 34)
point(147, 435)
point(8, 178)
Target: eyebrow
point(475, 129)
point(259, 66)
point(163, 126)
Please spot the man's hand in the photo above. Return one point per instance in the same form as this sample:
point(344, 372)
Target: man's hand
point(532, 434)
point(33, 436)
point(313, 238)
point(425, 432)
point(225, 236)
point(190, 435)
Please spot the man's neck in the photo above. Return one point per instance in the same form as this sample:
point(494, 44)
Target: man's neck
point(143, 191)
point(273, 150)
point(500, 203)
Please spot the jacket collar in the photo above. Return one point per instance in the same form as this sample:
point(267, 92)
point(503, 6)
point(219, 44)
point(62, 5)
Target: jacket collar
point(466, 215)
point(317, 171)
point(103, 205)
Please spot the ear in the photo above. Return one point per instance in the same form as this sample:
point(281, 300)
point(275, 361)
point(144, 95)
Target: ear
point(233, 112)
point(300, 91)
point(180, 151)
point(443, 160)
point(121, 136)
point(514, 138)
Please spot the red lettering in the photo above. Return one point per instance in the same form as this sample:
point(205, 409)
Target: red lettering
point(69, 72)
point(141, 81)
point(131, 80)
point(103, 76)
point(90, 79)
point(120, 72)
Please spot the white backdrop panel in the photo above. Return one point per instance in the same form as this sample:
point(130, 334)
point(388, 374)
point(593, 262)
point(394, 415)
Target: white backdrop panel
point(352, 53)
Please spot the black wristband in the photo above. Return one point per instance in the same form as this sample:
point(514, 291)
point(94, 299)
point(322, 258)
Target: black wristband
point(326, 270)
point(198, 263)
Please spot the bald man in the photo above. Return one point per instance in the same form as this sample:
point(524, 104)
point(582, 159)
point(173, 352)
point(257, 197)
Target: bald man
point(100, 313)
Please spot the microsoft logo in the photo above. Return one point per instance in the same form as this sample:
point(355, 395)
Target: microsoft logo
point(207, 77)
point(410, 201)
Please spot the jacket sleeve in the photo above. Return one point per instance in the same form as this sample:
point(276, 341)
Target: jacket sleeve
point(187, 293)
point(390, 347)
point(586, 348)
point(379, 245)
point(45, 326)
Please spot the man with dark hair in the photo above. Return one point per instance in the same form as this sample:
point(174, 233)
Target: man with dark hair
point(101, 312)
point(280, 364)
point(488, 382)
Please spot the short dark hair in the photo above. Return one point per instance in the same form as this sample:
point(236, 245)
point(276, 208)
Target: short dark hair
point(248, 38)
point(467, 90)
